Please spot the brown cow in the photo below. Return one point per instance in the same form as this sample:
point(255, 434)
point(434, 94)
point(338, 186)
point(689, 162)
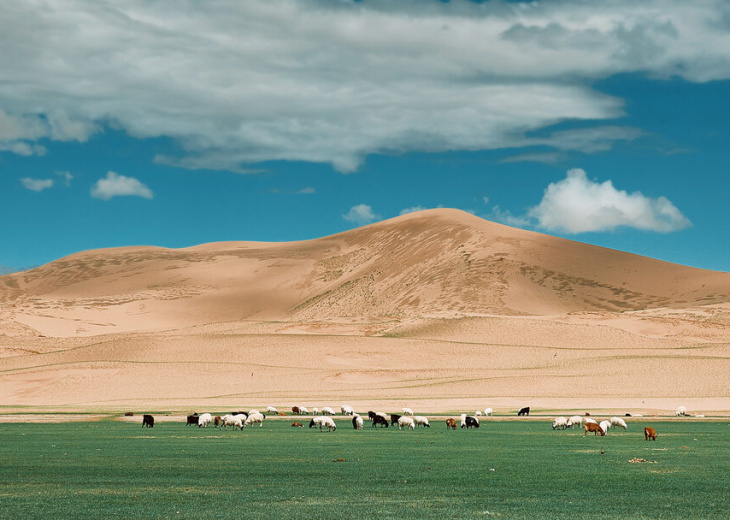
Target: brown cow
point(451, 424)
point(297, 424)
point(649, 433)
point(593, 427)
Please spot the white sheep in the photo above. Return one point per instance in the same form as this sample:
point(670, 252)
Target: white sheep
point(326, 410)
point(488, 411)
point(420, 420)
point(255, 418)
point(618, 421)
point(235, 421)
point(589, 420)
point(323, 421)
point(347, 410)
point(271, 410)
point(315, 410)
point(407, 411)
point(478, 413)
point(681, 411)
point(204, 420)
point(576, 420)
point(406, 422)
point(252, 412)
point(605, 426)
point(560, 422)
point(463, 420)
point(357, 422)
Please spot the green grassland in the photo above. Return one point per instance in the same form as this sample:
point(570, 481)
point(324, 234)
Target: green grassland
point(507, 469)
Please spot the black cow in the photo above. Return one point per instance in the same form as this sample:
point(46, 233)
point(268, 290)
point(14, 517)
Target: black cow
point(148, 421)
point(524, 411)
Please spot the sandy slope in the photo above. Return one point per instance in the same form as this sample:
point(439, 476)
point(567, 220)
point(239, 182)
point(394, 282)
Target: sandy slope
point(439, 310)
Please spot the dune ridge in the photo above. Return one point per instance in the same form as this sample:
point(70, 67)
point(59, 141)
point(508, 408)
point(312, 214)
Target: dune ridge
point(405, 306)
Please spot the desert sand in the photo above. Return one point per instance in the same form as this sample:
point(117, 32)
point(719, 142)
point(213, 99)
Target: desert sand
point(438, 310)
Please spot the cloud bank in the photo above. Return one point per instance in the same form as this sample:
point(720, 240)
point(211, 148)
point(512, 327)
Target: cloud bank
point(578, 205)
point(240, 82)
point(115, 185)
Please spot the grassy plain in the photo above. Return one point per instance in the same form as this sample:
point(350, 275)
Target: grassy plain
point(507, 469)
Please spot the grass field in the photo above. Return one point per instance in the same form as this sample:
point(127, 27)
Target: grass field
point(507, 469)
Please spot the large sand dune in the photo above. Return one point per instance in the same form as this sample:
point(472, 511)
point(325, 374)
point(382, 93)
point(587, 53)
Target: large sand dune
point(437, 308)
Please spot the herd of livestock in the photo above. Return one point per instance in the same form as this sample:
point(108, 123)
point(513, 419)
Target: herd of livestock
point(322, 419)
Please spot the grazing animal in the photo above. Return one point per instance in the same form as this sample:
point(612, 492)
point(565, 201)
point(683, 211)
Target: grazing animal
point(593, 427)
point(618, 421)
point(524, 411)
point(299, 410)
point(255, 418)
point(407, 411)
point(217, 420)
point(250, 412)
point(560, 423)
point(488, 411)
point(649, 433)
point(450, 423)
point(420, 420)
point(371, 415)
point(681, 411)
point(326, 410)
point(297, 424)
point(470, 422)
point(605, 426)
point(394, 418)
point(204, 420)
point(347, 410)
point(271, 410)
point(381, 420)
point(235, 421)
point(477, 413)
point(128, 414)
point(323, 421)
point(576, 420)
point(589, 420)
point(148, 421)
point(357, 422)
point(627, 414)
point(406, 422)
point(315, 411)
point(192, 419)
point(588, 414)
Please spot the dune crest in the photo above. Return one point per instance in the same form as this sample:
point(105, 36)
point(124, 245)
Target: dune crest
point(437, 308)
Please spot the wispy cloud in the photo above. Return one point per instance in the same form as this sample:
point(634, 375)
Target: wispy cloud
point(36, 184)
point(450, 76)
point(66, 176)
point(579, 205)
point(361, 214)
point(115, 185)
point(546, 158)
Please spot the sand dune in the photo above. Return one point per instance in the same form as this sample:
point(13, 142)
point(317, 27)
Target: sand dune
point(439, 308)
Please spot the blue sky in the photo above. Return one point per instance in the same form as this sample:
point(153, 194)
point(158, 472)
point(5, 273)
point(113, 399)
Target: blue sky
point(176, 123)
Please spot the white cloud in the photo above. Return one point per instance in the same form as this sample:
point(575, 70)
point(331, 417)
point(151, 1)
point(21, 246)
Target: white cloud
point(578, 205)
point(307, 191)
point(361, 214)
point(36, 184)
point(239, 82)
point(115, 185)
